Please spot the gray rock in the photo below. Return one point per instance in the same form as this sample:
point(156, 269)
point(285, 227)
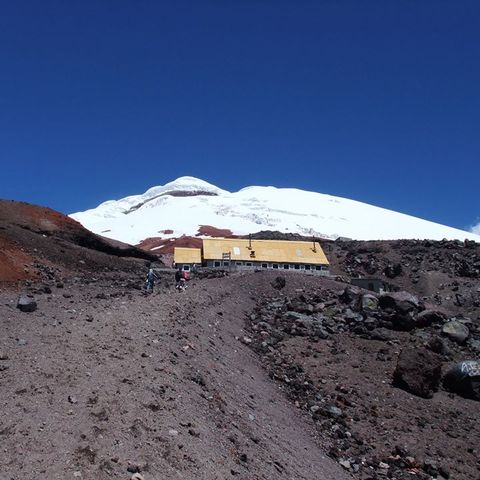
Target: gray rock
point(26, 304)
point(474, 345)
point(369, 302)
point(402, 302)
point(456, 331)
point(332, 411)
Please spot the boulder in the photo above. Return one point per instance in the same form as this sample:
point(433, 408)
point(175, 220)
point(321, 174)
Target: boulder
point(279, 283)
point(392, 271)
point(464, 379)
point(369, 302)
point(418, 371)
point(26, 304)
point(401, 302)
point(456, 331)
point(429, 317)
point(349, 295)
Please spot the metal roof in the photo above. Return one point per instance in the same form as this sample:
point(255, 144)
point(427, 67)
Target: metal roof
point(187, 255)
point(281, 251)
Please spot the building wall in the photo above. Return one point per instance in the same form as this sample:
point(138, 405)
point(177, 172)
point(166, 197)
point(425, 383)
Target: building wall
point(280, 267)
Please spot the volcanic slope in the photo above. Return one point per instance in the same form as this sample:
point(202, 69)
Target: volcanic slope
point(37, 242)
point(102, 381)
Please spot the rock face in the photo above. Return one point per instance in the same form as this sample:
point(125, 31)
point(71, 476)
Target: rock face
point(418, 371)
point(464, 379)
point(26, 304)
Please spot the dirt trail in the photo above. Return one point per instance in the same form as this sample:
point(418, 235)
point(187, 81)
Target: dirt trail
point(104, 387)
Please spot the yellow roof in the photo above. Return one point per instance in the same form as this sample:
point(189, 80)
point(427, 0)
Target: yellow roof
point(187, 255)
point(281, 251)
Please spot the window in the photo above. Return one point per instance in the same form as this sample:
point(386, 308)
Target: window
point(186, 268)
point(302, 267)
point(239, 263)
point(297, 267)
point(318, 267)
point(275, 265)
point(286, 266)
point(226, 264)
point(236, 250)
point(264, 265)
point(307, 267)
point(248, 264)
point(216, 264)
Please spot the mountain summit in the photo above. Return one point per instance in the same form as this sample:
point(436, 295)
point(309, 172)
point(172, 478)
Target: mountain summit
point(183, 206)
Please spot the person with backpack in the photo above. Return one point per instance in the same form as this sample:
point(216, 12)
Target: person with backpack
point(150, 282)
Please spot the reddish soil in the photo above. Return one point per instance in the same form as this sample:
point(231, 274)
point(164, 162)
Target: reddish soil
point(15, 264)
point(208, 230)
point(37, 242)
point(162, 246)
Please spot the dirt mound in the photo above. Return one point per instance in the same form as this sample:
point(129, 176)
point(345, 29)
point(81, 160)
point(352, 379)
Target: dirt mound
point(37, 242)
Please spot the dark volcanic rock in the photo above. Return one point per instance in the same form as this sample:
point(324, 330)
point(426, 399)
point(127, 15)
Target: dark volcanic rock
point(428, 317)
point(402, 302)
point(279, 283)
point(418, 371)
point(464, 379)
point(26, 304)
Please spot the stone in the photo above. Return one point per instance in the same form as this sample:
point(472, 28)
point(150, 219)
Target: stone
point(429, 317)
point(402, 302)
point(456, 331)
point(279, 283)
point(418, 371)
point(382, 334)
point(332, 411)
point(26, 304)
point(369, 302)
point(349, 295)
point(464, 378)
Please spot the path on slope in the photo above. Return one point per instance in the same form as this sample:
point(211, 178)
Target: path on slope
point(103, 387)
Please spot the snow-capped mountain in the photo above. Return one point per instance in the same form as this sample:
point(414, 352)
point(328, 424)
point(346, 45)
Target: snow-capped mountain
point(182, 206)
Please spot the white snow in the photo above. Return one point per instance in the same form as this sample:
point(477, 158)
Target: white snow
point(251, 209)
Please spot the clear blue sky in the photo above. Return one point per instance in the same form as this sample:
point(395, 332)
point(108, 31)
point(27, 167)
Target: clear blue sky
point(377, 101)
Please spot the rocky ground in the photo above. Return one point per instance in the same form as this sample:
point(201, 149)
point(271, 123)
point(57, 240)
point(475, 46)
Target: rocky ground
point(101, 381)
point(371, 372)
point(249, 376)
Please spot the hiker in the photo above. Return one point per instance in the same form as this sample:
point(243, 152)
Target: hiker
point(151, 276)
point(179, 279)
